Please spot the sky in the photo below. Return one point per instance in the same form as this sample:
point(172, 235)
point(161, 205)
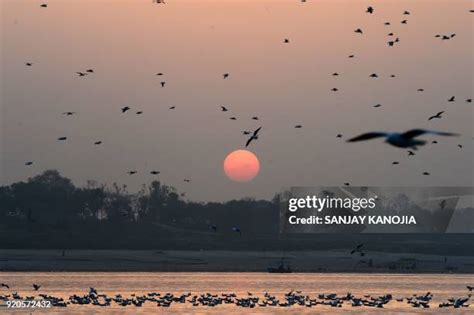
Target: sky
point(193, 43)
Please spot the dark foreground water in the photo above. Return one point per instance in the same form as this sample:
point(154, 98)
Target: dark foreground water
point(442, 286)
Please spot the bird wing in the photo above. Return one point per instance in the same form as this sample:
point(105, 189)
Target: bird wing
point(418, 132)
point(256, 131)
point(248, 141)
point(368, 136)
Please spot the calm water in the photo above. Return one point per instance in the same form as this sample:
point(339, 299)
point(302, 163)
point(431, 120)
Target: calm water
point(443, 286)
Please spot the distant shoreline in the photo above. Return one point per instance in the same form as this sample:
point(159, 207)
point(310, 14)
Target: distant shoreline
point(229, 261)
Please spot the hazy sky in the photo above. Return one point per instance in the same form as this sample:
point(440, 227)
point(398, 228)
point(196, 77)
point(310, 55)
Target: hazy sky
point(193, 43)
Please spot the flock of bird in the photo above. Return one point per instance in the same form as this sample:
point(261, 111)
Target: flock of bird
point(404, 139)
point(249, 300)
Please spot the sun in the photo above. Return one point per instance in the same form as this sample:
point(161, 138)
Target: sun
point(241, 166)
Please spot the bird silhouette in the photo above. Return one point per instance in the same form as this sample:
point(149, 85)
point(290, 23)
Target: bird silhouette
point(172, 107)
point(225, 75)
point(469, 100)
point(162, 83)
point(452, 99)
point(4, 285)
point(44, 5)
point(29, 163)
point(253, 137)
point(351, 56)
point(124, 109)
point(286, 41)
point(69, 113)
point(98, 142)
point(224, 109)
point(339, 135)
point(28, 64)
point(404, 22)
point(410, 153)
point(426, 173)
point(374, 75)
point(255, 118)
point(90, 70)
point(187, 180)
point(370, 10)
point(377, 105)
point(438, 115)
point(395, 163)
point(401, 140)
point(406, 13)
point(387, 23)
point(298, 126)
point(237, 230)
point(154, 172)
point(233, 118)
point(359, 31)
point(139, 112)
point(159, 74)
point(335, 74)
point(334, 89)
point(421, 90)
point(81, 74)
point(131, 172)
point(62, 138)
point(36, 287)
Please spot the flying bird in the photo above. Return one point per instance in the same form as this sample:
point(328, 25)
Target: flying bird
point(187, 180)
point(154, 172)
point(90, 70)
point(225, 75)
point(395, 163)
point(404, 22)
point(162, 83)
point(139, 112)
point(421, 90)
point(81, 74)
point(406, 13)
point(374, 75)
point(224, 109)
point(370, 10)
point(36, 287)
point(334, 89)
point(410, 153)
point(44, 5)
point(124, 109)
point(98, 143)
point(62, 138)
point(131, 172)
point(359, 31)
point(253, 137)
point(351, 56)
point(159, 74)
point(245, 132)
point(29, 163)
point(255, 118)
point(233, 118)
point(28, 64)
point(438, 115)
point(335, 74)
point(4, 285)
point(339, 135)
point(172, 107)
point(451, 99)
point(469, 100)
point(69, 113)
point(298, 126)
point(401, 140)
point(426, 173)
point(286, 41)
point(377, 105)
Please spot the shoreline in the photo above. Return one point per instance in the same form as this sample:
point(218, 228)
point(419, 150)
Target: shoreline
point(229, 261)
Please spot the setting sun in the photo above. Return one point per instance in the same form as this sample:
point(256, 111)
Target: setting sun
point(241, 166)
